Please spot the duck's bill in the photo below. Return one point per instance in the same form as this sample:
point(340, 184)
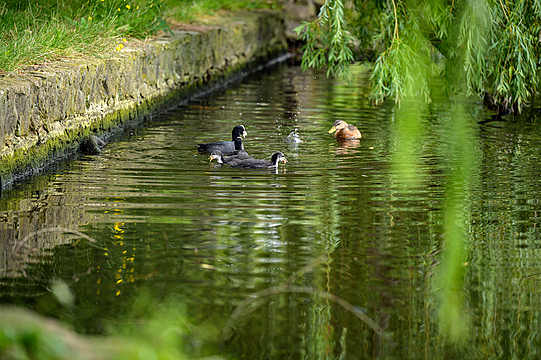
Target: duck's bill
point(284, 160)
point(244, 133)
point(333, 129)
point(211, 158)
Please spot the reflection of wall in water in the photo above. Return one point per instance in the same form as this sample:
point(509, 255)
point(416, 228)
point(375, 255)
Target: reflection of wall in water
point(28, 216)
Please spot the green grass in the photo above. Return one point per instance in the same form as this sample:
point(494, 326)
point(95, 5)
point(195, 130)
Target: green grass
point(192, 10)
point(39, 31)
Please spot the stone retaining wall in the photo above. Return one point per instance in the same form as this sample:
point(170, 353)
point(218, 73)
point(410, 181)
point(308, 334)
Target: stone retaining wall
point(45, 113)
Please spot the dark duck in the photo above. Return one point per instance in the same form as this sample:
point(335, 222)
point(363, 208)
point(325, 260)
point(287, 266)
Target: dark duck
point(251, 163)
point(343, 130)
point(225, 147)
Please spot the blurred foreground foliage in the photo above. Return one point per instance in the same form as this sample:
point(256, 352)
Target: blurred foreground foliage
point(156, 330)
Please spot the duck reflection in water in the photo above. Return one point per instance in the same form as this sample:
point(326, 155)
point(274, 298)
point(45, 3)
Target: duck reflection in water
point(346, 145)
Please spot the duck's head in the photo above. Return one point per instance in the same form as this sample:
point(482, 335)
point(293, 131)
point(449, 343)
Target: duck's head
point(238, 144)
point(216, 154)
point(278, 156)
point(239, 131)
point(338, 125)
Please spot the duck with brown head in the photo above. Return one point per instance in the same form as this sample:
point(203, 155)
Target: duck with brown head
point(343, 130)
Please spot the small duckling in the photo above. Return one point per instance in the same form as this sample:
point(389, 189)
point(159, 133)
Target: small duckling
point(345, 130)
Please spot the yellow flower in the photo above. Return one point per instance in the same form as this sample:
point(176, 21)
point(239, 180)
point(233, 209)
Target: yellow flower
point(137, 8)
point(128, 7)
point(124, 39)
point(119, 47)
point(118, 9)
point(89, 17)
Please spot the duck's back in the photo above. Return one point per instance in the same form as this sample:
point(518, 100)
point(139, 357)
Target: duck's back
point(354, 131)
point(252, 163)
point(225, 147)
point(349, 132)
point(239, 155)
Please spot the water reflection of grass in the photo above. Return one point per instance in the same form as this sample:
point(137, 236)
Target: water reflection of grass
point(458, 155)
point(454, 318)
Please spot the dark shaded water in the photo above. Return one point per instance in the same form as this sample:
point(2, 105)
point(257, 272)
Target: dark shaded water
point(419, 241)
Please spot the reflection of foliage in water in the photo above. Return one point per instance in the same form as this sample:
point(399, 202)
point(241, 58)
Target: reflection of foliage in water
point(458, 155)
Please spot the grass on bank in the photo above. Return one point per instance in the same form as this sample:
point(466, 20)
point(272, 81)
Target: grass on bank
point(189, 11)
point(40, 31)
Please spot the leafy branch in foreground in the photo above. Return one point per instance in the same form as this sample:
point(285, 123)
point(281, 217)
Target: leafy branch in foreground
point(476, 46)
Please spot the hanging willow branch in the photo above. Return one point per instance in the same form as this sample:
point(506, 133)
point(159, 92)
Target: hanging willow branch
point(475, 46)
point(328, 41)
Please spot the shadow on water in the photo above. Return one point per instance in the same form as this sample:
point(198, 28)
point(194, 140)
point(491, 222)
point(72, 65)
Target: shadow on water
point(417, 241)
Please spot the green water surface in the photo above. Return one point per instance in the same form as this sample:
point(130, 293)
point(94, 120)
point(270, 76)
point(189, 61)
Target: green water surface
point(421, 240)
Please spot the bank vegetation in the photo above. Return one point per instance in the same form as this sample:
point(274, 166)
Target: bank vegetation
point(34, 33)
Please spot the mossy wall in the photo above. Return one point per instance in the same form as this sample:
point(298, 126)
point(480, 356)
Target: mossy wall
point(44, 114)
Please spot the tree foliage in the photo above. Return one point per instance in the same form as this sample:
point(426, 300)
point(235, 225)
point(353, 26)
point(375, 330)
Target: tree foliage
point(476, 46)
point(328, 42)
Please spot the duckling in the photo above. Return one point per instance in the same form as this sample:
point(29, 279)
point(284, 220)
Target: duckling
point(250, 162)
point(345, 130)
point(224, 146)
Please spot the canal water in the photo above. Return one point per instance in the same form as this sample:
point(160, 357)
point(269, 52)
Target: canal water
point(419, 241)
